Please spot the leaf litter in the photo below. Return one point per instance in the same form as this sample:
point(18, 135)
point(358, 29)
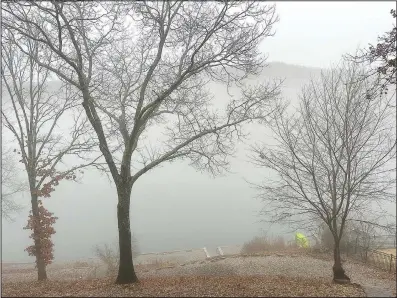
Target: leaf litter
point(203, 286)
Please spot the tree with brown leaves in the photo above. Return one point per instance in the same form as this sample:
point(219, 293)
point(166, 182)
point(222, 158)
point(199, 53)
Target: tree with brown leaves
point(33, 109)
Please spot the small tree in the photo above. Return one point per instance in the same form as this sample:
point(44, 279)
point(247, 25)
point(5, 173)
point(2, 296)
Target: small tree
point(140, 65)
point(110, 256)
point(32, 111)
point(334, 156)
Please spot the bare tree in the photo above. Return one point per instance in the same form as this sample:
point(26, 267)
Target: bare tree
point(334, 156)
point(141, 65)
point(33, 109)
point(10, 185)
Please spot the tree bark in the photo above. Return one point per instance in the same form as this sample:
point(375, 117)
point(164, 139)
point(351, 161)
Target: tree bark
point(126, 272)
point(339, 272)
point(41, 268)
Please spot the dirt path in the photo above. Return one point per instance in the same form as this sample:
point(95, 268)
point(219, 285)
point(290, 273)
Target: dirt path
point(372, 291)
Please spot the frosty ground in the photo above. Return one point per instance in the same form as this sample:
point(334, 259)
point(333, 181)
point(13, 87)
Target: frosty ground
point(263, 275)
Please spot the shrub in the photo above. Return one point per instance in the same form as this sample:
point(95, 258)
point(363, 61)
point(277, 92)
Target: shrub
point(110, 255)
point(255, 245)
point(278, 243)
point(262, 244)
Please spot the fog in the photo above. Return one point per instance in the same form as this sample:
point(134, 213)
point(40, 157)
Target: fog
point(315, 33)
point(176, 207)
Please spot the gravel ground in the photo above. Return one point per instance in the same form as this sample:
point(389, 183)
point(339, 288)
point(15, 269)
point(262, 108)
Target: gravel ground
point(294, 266)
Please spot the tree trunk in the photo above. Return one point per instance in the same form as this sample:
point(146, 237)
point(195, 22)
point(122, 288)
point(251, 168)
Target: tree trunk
point(126, 272)
point(41, 268)
point(339, 273)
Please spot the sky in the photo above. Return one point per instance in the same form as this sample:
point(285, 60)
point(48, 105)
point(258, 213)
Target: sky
point(317, 33)
point(175, 207)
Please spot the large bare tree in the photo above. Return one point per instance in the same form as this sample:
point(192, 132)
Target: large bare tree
point(334, 155)
point(36, 112)
point(143, 69)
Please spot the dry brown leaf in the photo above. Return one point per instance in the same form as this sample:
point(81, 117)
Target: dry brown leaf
point(204, 286)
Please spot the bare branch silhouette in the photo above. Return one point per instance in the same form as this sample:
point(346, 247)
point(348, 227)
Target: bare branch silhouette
point(33, 107)
point(142, 70)
point(334, 156)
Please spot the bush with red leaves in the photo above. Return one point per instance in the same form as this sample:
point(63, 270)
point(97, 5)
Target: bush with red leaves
point(42, 226)
point(44, 230)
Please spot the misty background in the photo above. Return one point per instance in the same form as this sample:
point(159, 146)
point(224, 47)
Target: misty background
point(175, 207)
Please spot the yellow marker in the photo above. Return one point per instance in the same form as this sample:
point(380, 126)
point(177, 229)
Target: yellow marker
point(301, 240)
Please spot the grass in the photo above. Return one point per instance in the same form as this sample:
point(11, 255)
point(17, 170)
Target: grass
point(220, 286)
